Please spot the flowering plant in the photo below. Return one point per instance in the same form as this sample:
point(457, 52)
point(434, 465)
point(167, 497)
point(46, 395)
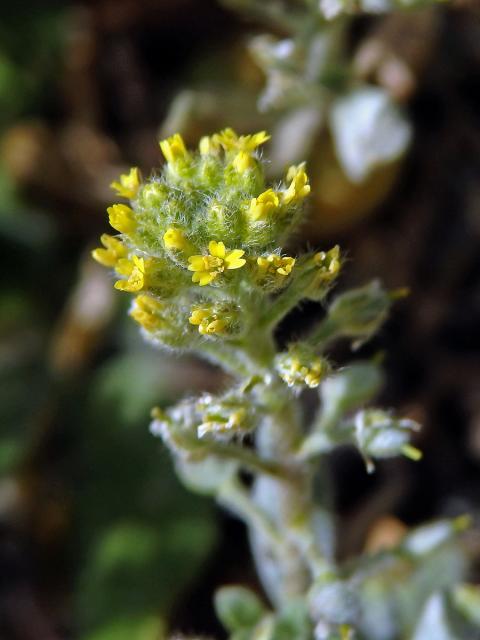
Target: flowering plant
point(201, 247)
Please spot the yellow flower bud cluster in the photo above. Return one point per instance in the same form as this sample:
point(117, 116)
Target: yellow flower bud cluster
point(219, 319)
point(299, 187)
point(299, 366)
point(223, 417)
point(207, 321)
point(207, 222)
point(147, 311)
point(327, 264)
point(275, 265)
point(137, 271)
point(322, 269)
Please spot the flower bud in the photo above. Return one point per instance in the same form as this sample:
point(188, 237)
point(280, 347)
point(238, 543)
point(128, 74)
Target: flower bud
point(359, 313)
point(128, 184)
point(380, 435)
point(224, 417)
point(122, 218)
point(320, 272)
point(214, 319)
point(349, 388)
point(300, 367)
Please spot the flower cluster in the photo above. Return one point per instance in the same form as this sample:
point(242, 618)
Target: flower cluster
point(199, 245)
point(300, 366)
point(207, 221)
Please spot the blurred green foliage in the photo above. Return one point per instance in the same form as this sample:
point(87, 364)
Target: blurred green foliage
point(31, 39)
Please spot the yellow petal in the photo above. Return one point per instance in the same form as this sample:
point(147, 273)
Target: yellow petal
point(198, 315)
point(197, 263)
point(124, 267)
point(139, 263)
point(114, 244)
point(230, 141)
point(216, 249)
point(257, 139)
point(134, 283)
point(174, 149)
point(174, 239)
point(128, 185)
point(122, 218)
point(207, 277)
point(208, 146)
point(243, 161)
point(136, 280)
point(122, 285)
point(264, 205)
point(203, 277)
point(104, 257)
point(234, 259)
point(299, 187)
point(216, 326)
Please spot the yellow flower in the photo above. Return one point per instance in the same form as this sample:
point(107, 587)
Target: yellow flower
point(299, 187)
point(208, 146)
point(222, 424)
point(128, 185)
point(314, 374)
point(113, 252)
point(243, 161)
point(328, 263)
point(122, 218)
point(299, 369)
point(208, 267)
point(174, 149)
point(207, 320)
point(263, 206)
point(146, 311)
point(275, 264)
point(175, 239)
point(136, 270)
point(230, 141)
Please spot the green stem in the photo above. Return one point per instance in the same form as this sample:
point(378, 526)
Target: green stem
point(235, 497)
point(324, 334)
point(288, 502)
point(227, 357)
point(280, 306)
point(248, 458)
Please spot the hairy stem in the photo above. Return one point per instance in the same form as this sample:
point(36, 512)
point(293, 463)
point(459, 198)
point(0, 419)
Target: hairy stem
point(288, 502)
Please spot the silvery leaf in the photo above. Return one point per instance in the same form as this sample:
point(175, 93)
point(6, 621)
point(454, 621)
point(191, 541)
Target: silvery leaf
point(368, 130)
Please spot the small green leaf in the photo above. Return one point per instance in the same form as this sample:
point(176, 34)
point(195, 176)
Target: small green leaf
point(293, 622)
point(238, 608)
point(466, 598)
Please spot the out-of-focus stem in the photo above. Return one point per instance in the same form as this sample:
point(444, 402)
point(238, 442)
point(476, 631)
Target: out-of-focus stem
point(279, 308)
point(326, 332)
point(227, 357)
point(288, 502)
point(235, 497)
point(249, 459)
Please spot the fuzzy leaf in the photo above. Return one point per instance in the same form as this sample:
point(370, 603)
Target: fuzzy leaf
point(238, 608)
point(368, 131)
